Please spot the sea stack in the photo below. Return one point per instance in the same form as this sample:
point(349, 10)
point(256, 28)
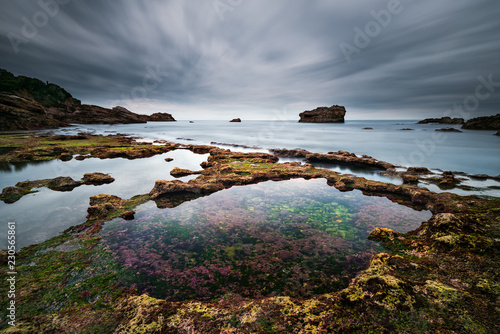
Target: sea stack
point(333, 114)
point(235, 120)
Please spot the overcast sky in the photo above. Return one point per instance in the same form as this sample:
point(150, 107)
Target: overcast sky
point(261, 59)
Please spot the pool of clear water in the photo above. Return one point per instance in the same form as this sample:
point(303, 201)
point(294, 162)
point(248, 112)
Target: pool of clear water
point(297, 238)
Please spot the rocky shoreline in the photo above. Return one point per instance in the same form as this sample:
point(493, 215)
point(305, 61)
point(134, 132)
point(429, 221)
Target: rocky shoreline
point(438, 278)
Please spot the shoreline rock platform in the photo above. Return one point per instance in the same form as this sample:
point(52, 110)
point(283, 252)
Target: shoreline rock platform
point(440, 277)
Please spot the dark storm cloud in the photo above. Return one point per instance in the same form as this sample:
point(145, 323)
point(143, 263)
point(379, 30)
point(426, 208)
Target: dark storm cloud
point(252, 57)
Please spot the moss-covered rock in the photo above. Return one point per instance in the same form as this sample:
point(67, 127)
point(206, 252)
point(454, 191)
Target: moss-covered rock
point(97, 178)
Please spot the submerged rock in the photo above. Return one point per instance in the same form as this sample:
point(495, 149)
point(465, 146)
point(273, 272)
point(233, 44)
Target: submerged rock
point(128, 215)
point(333, 114)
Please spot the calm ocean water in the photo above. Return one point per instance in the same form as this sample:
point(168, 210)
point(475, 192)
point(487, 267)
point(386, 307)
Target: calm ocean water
point(472, 151)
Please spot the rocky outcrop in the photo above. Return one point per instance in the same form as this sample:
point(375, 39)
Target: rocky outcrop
point(333, 114)
point(90, 114)
point(483, 123)
point(179, 172)
point(161, 117)
point(13, 194)
point(24, 113)
point(97, 178)
point(63, 183)
point(235, 120)
point(101, 205)
point(340, 157)
point(442, 120)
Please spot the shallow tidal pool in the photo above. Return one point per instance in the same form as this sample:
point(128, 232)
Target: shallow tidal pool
point(297, 238)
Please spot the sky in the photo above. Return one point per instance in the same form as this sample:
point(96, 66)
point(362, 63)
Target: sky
point(261, 59)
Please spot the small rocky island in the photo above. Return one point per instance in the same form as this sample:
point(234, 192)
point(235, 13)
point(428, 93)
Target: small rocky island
point(333, 114)
point(235, 120)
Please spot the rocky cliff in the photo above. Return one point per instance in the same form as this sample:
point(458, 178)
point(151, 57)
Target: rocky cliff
point(483, 123)
point(28, 103)
point(333, 114)
point(20, 113)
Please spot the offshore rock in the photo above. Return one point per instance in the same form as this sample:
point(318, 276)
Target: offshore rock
point(333, 114)
point(161, 117)
point(235, 120)
point(442, 120)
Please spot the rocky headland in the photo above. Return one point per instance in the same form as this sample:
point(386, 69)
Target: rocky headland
point(333, 114)
point(483, 123)
point(28, 103)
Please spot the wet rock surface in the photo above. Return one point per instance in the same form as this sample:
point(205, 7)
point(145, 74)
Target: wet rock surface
point(97, 178)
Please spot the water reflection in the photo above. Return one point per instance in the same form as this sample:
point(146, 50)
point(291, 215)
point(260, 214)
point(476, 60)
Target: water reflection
point(45, 214)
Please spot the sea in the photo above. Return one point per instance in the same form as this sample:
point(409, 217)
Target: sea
point(401, 142)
